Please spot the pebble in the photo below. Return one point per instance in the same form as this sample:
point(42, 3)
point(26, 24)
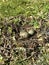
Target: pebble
point(47, 45)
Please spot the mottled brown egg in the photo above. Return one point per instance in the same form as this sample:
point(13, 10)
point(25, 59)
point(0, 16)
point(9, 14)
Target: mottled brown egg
point(31, 31)
point(23, 34)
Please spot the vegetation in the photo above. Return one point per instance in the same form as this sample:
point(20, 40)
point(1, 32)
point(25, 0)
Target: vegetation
point(25, 7)
point(24, 32)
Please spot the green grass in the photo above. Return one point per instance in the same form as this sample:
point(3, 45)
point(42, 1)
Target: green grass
point(25, 7)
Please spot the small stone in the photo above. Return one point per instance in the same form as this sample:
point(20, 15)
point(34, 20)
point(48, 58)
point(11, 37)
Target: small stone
point(40, 39)
point(13, 37)
point(47, 45)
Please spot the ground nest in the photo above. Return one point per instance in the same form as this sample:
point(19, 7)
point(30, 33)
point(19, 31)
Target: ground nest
point(14, 36)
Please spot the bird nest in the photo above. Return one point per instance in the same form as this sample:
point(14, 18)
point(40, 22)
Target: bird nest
point(13, 36)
